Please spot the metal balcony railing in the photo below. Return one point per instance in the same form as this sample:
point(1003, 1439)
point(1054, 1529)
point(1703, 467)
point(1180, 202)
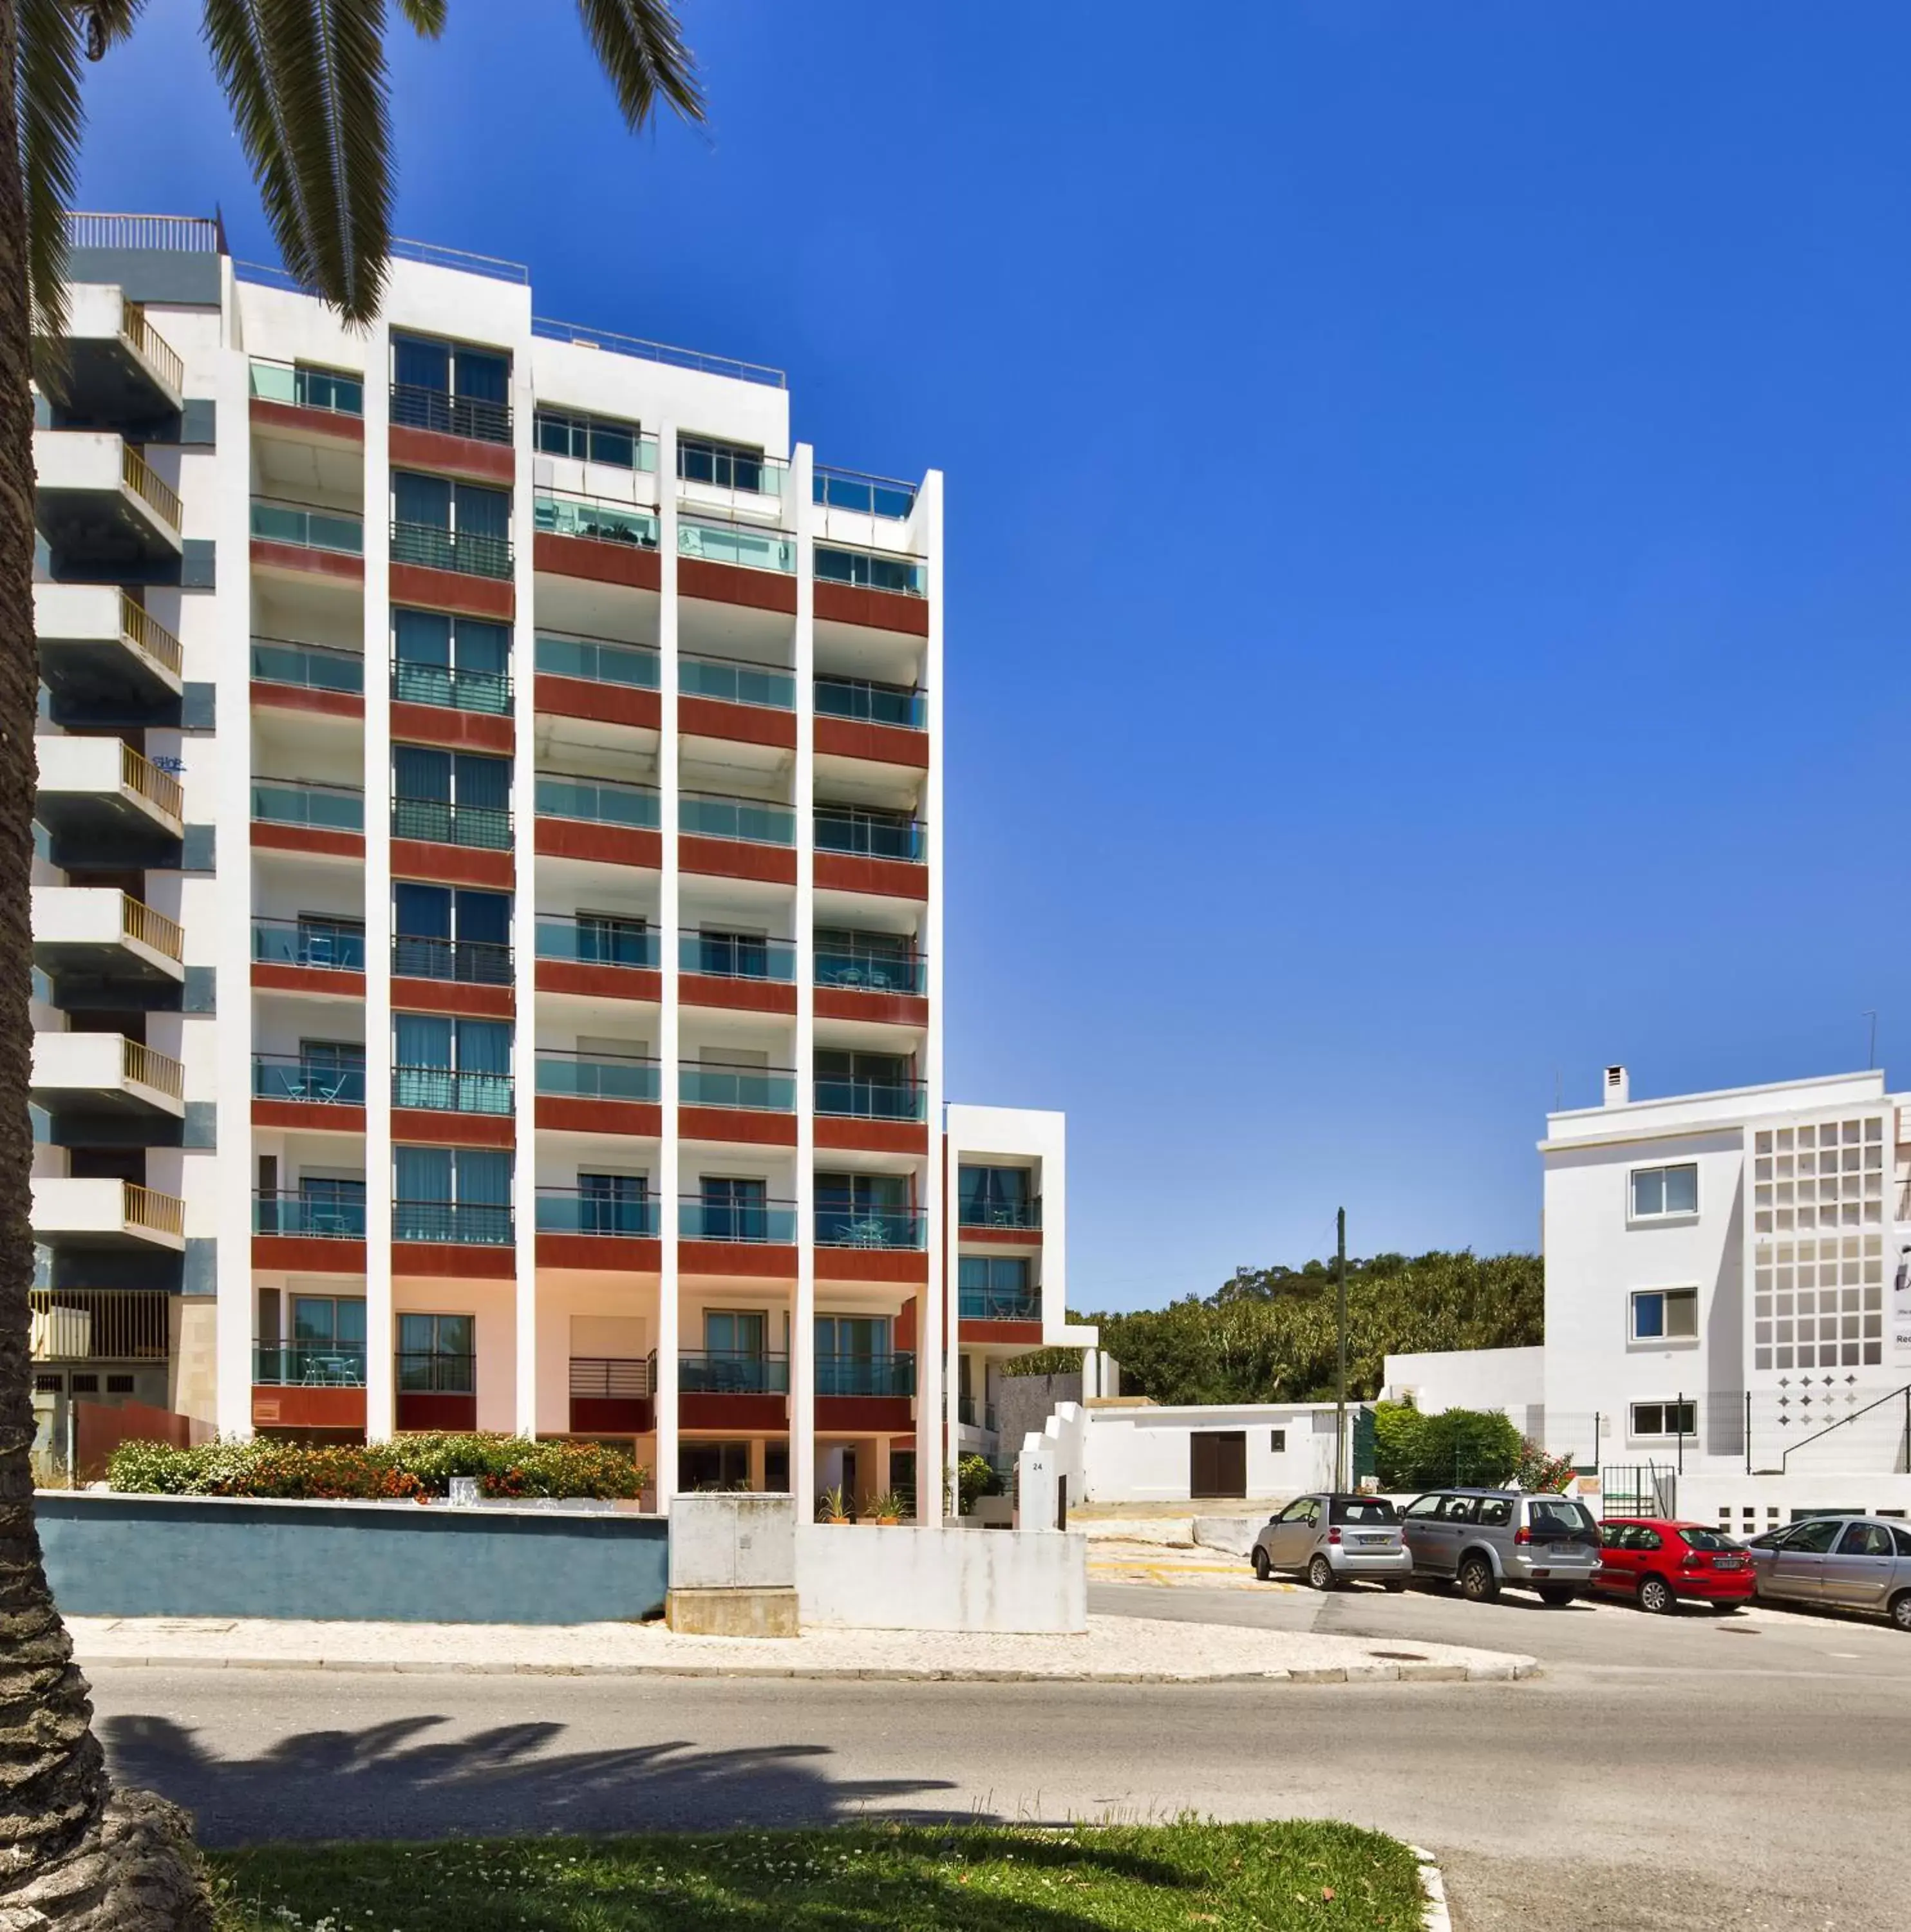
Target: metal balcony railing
point(765, 1089)
point(149, 1068)
point(988, 1213)
point(415, 406)
point(307, 666)
point(588, 941)
point(868, 496)
point(867, 970)
point(598, 801)
point(597, 1076)
point(145, 632)
point(703, 1219)
point(472, 962)
point(985, 1304)
point(731, 1372)
point(611, 1379)
point(599, 521)
point(311, 1216)
point(309, 1364)
point(657, 351)
point(308, 942)
point(893, 1375)
point(597, 661)
point(421, 1373)
point(319, 807)
point(469, 552)
point(975, 1414)
point(710, 815)
point(743, 544)
point(146, 341)
point(158, 1214)
point(439, 822)
point(736, 682)
point(448, 689)
point(98, 1324)
point(140, 477)
point(306, 527)
point(867, 702)
point(149, 928)
point(182, 234)
point(873, 1099)
point(472, 1223)
point(737, 956)
point(290, 1076)
point(870, 1227)
point(446, 1090)
point(584, 1210)
point(161, 790)
point(845, 828)
point(304, 386)
point(904, 576)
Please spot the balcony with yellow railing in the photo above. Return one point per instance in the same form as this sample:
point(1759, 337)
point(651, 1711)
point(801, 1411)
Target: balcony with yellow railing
point(110, 1324)
point(97, 1212)
point(111, 369)
point(104, 933)
point(103, 803)
point(102, 508)
point(140, 477)
point(140, 336)
point(86, 1075)
point(104, 657)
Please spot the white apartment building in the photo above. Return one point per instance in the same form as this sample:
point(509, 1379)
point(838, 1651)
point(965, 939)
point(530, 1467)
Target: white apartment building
point(488, 911)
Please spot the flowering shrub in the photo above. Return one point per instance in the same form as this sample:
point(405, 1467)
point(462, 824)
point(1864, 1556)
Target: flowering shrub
point(1537, 1470)
point(419, 1467)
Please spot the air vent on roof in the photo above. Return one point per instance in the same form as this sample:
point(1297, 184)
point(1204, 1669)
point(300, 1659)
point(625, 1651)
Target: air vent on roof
point(1618, 1088)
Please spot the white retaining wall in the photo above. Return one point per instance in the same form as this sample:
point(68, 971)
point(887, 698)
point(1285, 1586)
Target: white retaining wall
point(1773, 1500)
point(874, 1576)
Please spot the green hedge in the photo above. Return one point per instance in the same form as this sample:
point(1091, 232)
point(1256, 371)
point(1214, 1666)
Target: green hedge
point(1412, 1451)
point(420, 1467)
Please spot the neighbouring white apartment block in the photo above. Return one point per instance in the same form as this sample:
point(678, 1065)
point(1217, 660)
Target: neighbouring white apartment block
point(488, 908)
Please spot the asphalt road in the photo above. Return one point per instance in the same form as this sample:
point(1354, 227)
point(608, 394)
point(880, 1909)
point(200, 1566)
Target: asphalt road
point(1662, 1774)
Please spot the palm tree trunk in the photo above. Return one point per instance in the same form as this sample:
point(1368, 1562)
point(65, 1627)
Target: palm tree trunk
point(68, 1856)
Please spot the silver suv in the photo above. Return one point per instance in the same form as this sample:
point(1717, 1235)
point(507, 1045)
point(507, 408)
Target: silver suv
point(1481, 1539)
point(1331, 1539)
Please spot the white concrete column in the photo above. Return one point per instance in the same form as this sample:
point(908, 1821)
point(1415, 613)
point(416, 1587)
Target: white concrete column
point(381, 1326)
point(935, 1390)
point(669, 1184)
point(803, 1311)
point(524, 895)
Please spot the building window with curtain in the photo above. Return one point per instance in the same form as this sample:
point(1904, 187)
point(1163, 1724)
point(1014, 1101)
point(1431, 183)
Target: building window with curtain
point(451, 798)
point(866, 1211)
point(996, 1288)
point(450, 389)
point(451, 1194)
point(438, 524)
point(734, 1209)
point(451, 1066)
point(614, 1204)
point(996, 1197)
point(456, 664)
point(437, 1354)
point(444, 932)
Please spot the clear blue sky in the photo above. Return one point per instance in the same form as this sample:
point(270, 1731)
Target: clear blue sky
point(1428, 495)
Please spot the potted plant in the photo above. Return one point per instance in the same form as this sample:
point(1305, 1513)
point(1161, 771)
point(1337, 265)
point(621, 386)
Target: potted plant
point(888, 1507)
point(832, 1506)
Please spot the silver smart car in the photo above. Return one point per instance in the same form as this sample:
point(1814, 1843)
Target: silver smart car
point(1332, 1539)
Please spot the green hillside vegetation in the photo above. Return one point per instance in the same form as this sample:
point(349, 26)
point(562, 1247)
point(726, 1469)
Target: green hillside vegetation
point(1267, 1334)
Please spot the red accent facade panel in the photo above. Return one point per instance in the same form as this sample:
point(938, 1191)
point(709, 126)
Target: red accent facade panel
point(910, 1265)
point(1020, 1334)
point(847, 1003)
point(452, 996)
point(413, 448)
point(612, 1415)
point(267, 555)
point(1002, 1237)
point(268, 697)
point(428, 1126)
point(735, 1415)
point(601, 563)
point(301, 1407)
point(321, 425)
point(876, 610)
point(451, 865)
point(468, 1260)
point(604, 1254)
point(419, 1409)
point(872, 1136)
point(888, 878)
point(608, 704)
point(864, 1414)
point(607, 844)
point(736, 1124)
point(760, 1261)
point(308, 839)
point(733, 583)
point(600, 983)
point(737, 858)
point(570, 1114)
point(309, 1117)
point(753, 996)
point(461, 730)
point(268, 977)
point(743, 724)
point(453, 590)
point(884, 744)
point(308, 1254)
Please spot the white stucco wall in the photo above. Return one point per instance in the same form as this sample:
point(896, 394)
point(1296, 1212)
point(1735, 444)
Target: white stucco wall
point(916, 1577)
point(1513, 1380)
point(1143, 1455)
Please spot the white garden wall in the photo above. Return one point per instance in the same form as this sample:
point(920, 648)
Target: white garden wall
point(874, 1576)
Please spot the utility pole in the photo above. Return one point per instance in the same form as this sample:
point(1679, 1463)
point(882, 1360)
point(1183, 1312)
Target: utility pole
point(1340, 1355)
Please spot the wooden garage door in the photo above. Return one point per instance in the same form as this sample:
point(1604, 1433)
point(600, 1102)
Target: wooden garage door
point(1218, 1463)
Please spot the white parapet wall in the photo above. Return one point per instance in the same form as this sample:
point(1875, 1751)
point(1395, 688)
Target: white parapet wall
point(1748, 1505)
point(876, 1576)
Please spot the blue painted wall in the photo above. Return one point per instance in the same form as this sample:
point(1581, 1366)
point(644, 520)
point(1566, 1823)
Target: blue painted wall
point(147, 1556)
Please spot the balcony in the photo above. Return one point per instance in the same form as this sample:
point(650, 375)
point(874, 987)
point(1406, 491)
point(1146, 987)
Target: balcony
point(313, 943)
point(1025, 1215)
point(601, 941)
point(93, 1073)
point(597, 1076)
point(873, 1099)
point(312, 1217)
point(869, 834)
point(737, 956)
point(101, 508)
point(298, 667)
point(114, 1324)
point(731, 1372)
point(101, 801)
point(104, 656)
point(862, 495)
point(872, 969)
point(438, 822)
point(890, 1375)
point(597, 661)
point(596, 519)
point(986, 1304)
point(299, 385)
point(444, 1090)
point(304, 1081)
point(610, 1396)
point(735, 681)
point(861, 570)
point(309, 1365)
point(106, 1214)
point(598, 801)
point(576, 1210)
point(903, 1227)
point(467, 1223)
point(748, 821)
point(756, 1089)
point(751, 1222)
point(739, 544)
point(313, 807)
point(415, 406)
point(471, 962)
point(102, 932)
point(308, 526)
point(447, 687)
point(465, 553)
point(118, 368)
point(972, 1415)
point(862, 701)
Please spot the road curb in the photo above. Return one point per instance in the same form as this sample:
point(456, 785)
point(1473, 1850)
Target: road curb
point(1435, 1918)
point(1501, 1672)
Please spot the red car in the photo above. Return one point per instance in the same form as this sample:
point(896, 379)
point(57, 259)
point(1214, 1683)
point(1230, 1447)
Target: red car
point(1655, 1561)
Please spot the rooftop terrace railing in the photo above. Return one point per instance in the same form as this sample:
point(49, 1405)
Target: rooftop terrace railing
point(658, 351)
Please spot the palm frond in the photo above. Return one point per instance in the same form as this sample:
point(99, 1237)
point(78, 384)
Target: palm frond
point(307, 84)
point(426, 16)
point(46, 99)
point(641, 48)
point(115, 17)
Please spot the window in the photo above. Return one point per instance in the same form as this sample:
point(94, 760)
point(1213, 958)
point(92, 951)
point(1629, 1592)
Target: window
point(451, 798)
point(119, 1385)
point(1814, 1538)
point(436, 1353)
point(451, 388)
point(461, 664)
point(455, 1066)
point(882, 962)
point(1902, 1538)
point(613, 1203)
point(1865, 1539)
point(446, 526)
point(1664, 1418)
point(451, 1194)
point(1276, 1441)
point(1496, 1512)
point(444, 933)
point(1665, 1315)
point(608, 939)
point(1004, 1276)
point(736, 1210)
point(588, 439)
point(85, 1385)
point(733, 956)
point(330, 1207)
point(1361, 1509)
point(727, 466)
point(1424, 1506)
point(733, 1332)
point(1459, 1509)
point(994, 1197)
point(858, 1210)
point(1665, 1190)
point(1296, 1511)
